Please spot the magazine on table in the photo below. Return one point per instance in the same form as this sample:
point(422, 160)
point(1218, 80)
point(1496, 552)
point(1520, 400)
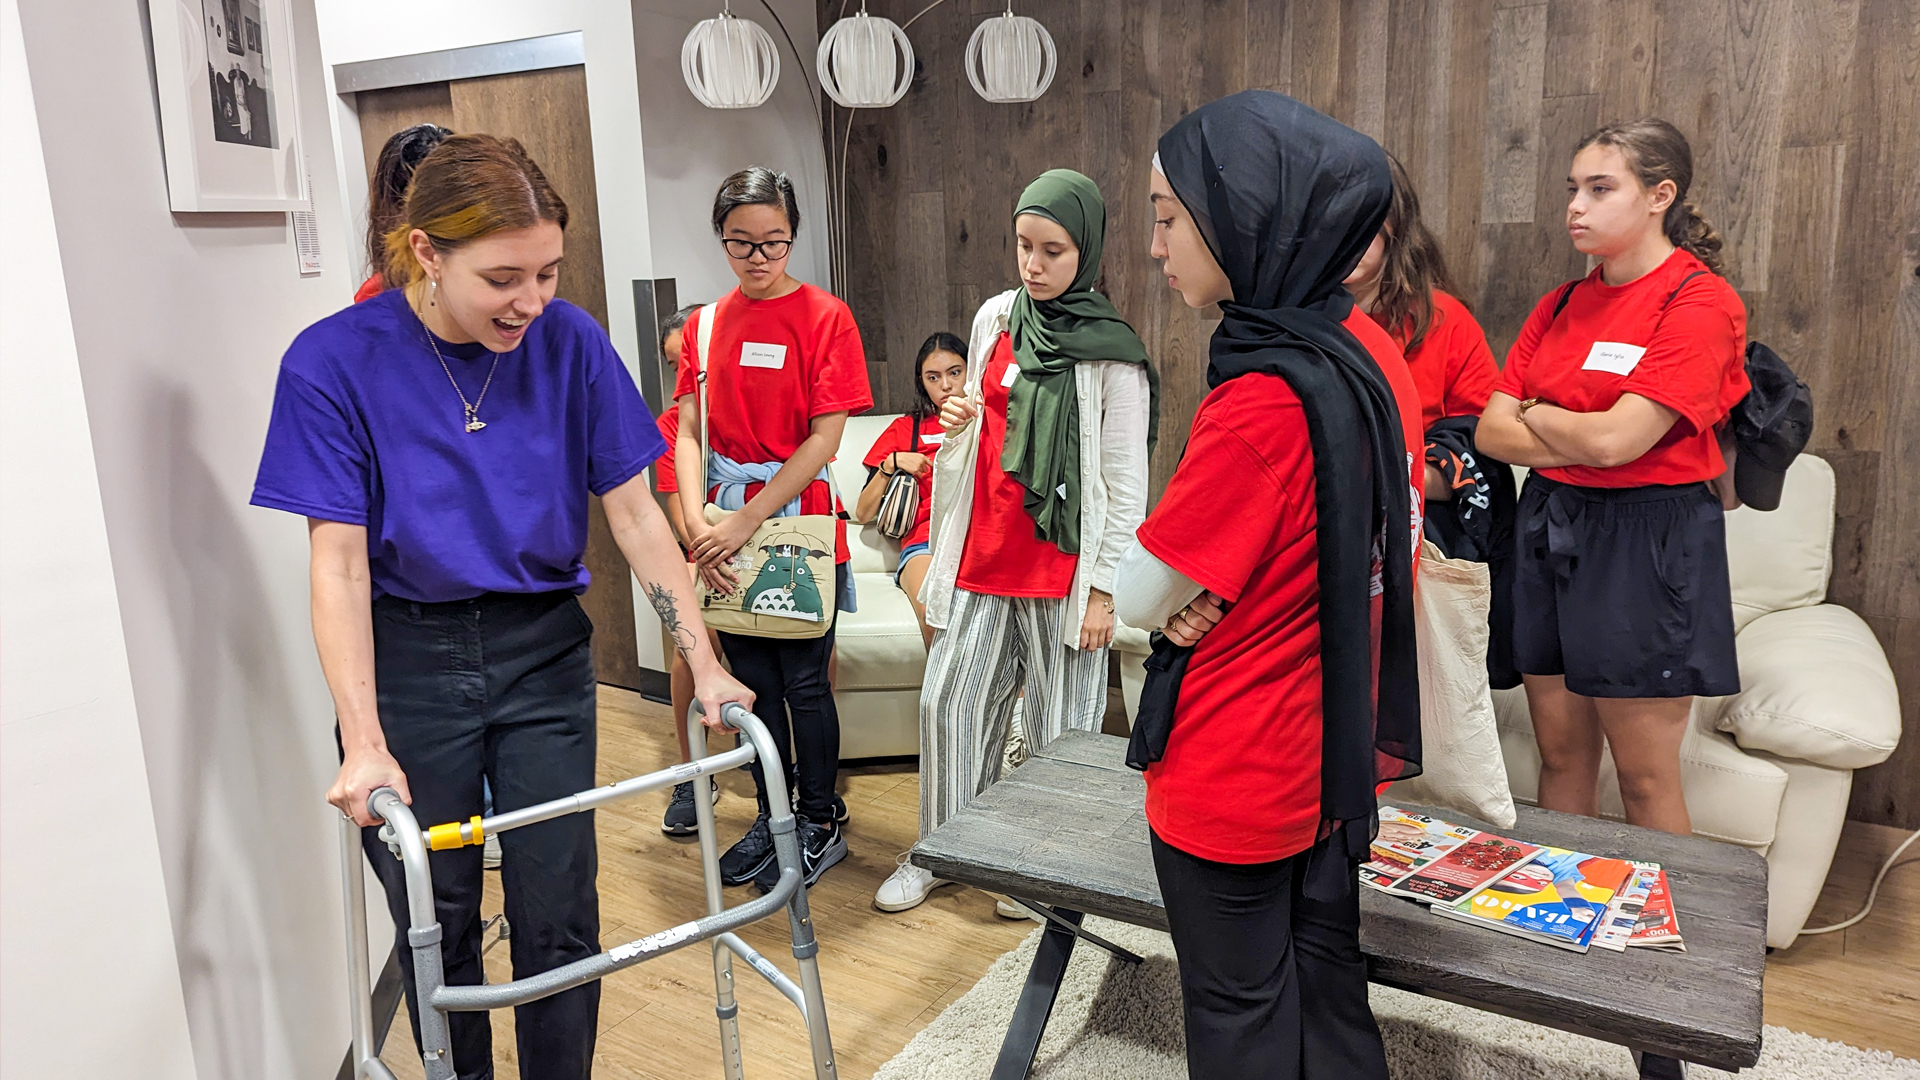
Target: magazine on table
point(1623, 913)
point(1407, 842)
point(1559, 898)
point(1658, 927)
point(1475, 864)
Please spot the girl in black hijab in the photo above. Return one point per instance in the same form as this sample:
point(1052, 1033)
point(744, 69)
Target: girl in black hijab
point(1264, 740)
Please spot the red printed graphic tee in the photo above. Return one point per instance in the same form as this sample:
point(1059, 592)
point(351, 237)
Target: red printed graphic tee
point(776, 364)
point(1003, 557)
point(1687, 353)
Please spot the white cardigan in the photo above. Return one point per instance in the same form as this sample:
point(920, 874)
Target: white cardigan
point(1114, 399)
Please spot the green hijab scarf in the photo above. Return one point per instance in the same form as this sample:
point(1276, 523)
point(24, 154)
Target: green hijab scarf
point(1049, 337)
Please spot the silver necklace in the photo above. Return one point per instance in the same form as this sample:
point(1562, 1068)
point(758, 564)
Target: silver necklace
point(470, 410)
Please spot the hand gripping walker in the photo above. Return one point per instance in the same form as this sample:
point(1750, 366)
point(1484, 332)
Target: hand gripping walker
point(410, 844)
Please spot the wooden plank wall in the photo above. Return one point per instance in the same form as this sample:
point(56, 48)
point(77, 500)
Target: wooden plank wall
point(1805, 120)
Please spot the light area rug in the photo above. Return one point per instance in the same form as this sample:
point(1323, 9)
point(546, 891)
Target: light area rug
point(1116, 1021)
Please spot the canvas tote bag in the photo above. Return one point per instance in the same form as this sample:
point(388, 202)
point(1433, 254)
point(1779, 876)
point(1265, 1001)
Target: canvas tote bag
point(1462, 767)
point(785, 569)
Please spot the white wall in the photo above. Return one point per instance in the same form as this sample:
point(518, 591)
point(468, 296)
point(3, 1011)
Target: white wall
point(83, 906)
point(178, 325)
point(690, 148)
point(355, 30)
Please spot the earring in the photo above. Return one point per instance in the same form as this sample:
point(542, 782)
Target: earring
point(433, 297)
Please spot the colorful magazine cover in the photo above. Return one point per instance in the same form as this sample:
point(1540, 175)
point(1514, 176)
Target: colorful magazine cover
point(1623, 914)
point(1467, 869)
point(1405, 843)
point(1658, 927)
point(1558, 898)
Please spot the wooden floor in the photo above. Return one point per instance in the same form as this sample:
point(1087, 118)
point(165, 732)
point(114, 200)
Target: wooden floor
point(887, 976)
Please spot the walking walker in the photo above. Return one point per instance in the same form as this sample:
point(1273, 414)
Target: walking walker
point(410, 845)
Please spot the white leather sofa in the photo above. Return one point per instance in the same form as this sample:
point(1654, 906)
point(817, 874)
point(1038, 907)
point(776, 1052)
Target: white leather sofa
point(1769, 768)
point(881, 657)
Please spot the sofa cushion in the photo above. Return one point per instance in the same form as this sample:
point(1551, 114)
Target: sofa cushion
point(1731, 796)
point(879, 647)
point(1780, 559)
point(1815, 686)
point(872, 553)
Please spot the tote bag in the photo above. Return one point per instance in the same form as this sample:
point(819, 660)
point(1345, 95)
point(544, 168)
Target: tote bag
point(784, 572)
point(1462, 767)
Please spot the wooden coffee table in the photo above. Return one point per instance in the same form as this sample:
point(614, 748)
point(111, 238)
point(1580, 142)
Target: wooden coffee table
point(1066, 834)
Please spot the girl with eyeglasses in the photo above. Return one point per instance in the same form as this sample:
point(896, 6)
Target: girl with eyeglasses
point(784, 369)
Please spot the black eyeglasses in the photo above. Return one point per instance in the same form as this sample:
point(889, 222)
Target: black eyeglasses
point(774, 250)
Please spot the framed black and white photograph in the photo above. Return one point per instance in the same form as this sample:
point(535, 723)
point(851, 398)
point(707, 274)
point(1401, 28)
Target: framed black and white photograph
point(225, 76)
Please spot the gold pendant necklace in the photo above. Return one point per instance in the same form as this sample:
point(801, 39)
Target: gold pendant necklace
point(469, 410)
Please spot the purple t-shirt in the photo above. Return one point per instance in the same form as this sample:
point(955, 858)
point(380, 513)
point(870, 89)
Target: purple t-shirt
point(366, 430)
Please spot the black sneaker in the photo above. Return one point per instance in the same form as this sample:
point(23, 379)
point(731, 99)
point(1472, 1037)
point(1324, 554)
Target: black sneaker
point(681, 818)
point(750, 855)
point(820, 847)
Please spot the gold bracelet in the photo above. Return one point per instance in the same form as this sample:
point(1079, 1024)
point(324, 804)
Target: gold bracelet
point(1528, 404)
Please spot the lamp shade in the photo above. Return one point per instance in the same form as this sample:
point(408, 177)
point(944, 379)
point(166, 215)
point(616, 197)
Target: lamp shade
point(1010, 58)
point(730, 63)
point(865, 62)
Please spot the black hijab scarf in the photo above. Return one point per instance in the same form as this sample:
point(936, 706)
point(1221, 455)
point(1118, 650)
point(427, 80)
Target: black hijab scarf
point(1288, 200)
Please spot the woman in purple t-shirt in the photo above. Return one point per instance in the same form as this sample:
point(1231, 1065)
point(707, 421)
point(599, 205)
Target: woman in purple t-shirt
point(441, 439)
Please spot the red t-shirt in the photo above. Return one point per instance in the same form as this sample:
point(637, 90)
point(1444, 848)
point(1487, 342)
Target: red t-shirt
point(776, 364)
point(1002, 556)
point(1240, 780)
point(369, 289)
point(664, 477)
point(901, 438)
point(1406, 398)
point(1688, 354)
point(1453, 367)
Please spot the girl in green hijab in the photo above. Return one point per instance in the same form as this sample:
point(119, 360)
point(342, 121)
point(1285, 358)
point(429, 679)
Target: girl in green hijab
point(1037, 490)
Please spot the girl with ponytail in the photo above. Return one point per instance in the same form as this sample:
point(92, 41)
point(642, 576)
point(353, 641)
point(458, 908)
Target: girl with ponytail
point(1613, 395)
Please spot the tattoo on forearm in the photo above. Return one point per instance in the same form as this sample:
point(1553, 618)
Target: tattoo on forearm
point(668, 609)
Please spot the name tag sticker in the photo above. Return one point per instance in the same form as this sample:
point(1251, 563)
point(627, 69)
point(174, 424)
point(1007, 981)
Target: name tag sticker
point(755, 354)
point(1013, 372)
point(1613, 357)
point(935, 439)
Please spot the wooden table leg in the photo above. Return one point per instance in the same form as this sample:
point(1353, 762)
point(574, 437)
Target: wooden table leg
point(1036, 999)
point(1656, 1067)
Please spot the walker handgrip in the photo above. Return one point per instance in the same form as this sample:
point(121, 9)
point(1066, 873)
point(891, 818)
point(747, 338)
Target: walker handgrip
point(730, 715)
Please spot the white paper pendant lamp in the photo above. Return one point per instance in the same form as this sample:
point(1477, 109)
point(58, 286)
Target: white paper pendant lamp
point(730, 62)
point(865, 62)
point(1010, 58)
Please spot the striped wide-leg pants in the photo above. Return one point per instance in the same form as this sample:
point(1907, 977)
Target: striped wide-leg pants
point(993, 649)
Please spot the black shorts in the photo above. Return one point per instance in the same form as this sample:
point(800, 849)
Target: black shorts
point(1624, 590)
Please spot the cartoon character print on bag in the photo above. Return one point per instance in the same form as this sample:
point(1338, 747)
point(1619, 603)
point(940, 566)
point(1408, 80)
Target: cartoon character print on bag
point(785, 587)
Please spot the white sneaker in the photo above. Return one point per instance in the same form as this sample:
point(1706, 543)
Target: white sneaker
point(490, 854)
point(1004, 907)
point(906, 888)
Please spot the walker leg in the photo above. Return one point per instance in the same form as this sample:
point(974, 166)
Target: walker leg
point(805, 949)
point(436, 1046)
point(725, 1007)
point(353, 902)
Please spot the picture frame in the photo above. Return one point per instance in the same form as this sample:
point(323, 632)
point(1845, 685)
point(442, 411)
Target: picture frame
point(224, 72)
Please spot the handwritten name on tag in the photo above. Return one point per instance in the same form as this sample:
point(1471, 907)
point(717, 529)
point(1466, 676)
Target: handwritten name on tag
point(1613, 357)
point(755, 354)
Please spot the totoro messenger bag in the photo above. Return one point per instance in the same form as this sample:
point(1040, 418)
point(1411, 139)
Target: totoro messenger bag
point(784, 572)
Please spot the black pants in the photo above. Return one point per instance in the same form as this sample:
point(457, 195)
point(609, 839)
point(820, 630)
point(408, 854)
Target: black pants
point(789, 676)
point(502, 687)
point(1273, 983)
